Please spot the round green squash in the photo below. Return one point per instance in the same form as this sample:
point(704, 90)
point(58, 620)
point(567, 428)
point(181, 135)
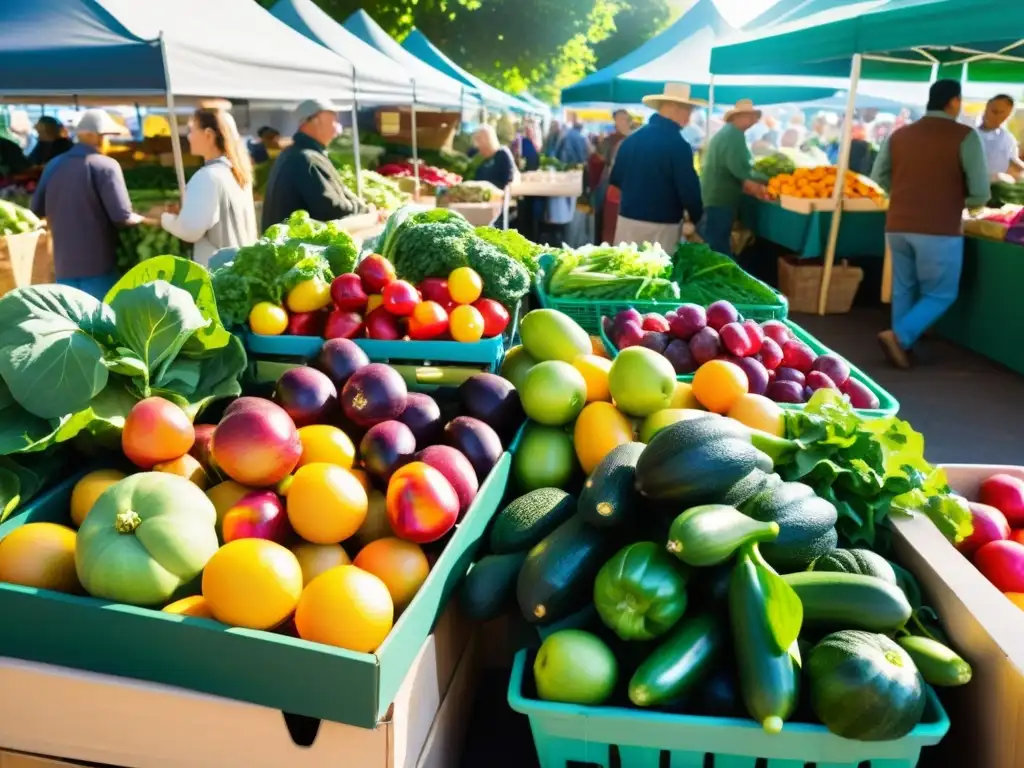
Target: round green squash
point(145, 538)
point(864, 686)
point(859, 561)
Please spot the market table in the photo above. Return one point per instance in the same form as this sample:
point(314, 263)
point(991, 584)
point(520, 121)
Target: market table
point(985, 317)
point(861, 233)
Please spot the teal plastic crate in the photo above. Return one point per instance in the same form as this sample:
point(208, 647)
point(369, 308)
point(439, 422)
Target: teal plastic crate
point(566, 735)
point(887, 404)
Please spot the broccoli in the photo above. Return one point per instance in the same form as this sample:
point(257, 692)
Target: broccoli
point(504, 278)
point(430, 250)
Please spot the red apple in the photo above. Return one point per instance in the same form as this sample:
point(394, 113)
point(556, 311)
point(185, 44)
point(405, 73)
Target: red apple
point(1005, 493)
point(989, 525)
point(375, 271)
point(307, 323)
point(343, 325)
point(347, 293)
point(382, 325)
point(400, 298)
point(1002, 563)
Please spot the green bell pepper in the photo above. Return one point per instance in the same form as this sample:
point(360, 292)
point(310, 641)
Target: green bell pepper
point(640, 593)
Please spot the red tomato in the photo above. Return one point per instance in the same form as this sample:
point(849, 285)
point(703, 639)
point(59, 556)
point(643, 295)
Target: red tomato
point(496, 317)
point(375, 271)
point(1017, 535)
point(400, 298)
point(436, 289)
point(428, 321)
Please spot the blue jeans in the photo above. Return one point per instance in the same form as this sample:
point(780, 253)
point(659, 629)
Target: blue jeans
point(716, 228)
point(97, 287)
point(925, 281)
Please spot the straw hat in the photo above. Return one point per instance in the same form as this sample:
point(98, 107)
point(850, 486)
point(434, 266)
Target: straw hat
point(678, 93)
point(743, 107)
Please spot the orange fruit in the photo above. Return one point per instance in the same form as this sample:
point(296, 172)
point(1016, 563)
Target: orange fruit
point(90, 488)
point(40, 555)
point(195, 605)
point(595, 374)
point(1017, 598)
point(314, 559)
point(718, 384)
point(186, 466)
point(346, 607)
point(683, 397)
point(326, 504)
point(252, 583)
point(156, 430)
point(400, 564)
point(597, 345)
point(758, 412)
point(599, 428)
point(466, 324)
point(322, 443)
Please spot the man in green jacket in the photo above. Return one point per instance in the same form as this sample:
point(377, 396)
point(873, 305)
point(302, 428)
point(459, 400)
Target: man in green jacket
point(303, 177)
point(726, 173)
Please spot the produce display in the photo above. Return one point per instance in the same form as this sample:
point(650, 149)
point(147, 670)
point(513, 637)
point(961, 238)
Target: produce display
point(996, 543)
point(774, 165)
point(136, 244)
point(378, 190)
point(14, 219)
point(820, 182)
point(428, 173)
point(473, 192)
point(718, 347)
point(1004, 192)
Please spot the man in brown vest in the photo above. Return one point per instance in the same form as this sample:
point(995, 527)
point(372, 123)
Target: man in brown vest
point(931, 170)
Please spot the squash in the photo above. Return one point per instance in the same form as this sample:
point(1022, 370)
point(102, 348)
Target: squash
point(146, 538)
point(864, 686)
point(806, 524)
point(863, 562)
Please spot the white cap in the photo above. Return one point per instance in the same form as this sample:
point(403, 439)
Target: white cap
point(98, 121)
point(312, 107)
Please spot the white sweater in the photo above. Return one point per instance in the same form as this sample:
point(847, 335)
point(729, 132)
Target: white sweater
point(217, 213)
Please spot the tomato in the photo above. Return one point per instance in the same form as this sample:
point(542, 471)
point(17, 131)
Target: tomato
point(309, 296)
point(307, 323)
point(436, 289)
point(466, 323)
point(268, 319)
point(428, 321)
point(375, 271)
point(400, 298)
point(495, 316)
point(465, 285)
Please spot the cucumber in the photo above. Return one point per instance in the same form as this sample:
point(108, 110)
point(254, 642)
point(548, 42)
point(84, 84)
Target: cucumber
point(850, 601)
point(678, 664)
point(937, 664)
point(529, 518)
point(490, 584)
point(610, 492)
point(711, 534)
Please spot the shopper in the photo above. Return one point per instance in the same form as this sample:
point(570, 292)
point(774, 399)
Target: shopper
point(303, 178)
point(12, 158)
point(268, 140)
point(727, 172)
point(52, 142)
point(931, 169)
point(552, 139)
point(83, 196)
point(218, 210)
point(1002, 154)
point(498, 166)
point(654, 171)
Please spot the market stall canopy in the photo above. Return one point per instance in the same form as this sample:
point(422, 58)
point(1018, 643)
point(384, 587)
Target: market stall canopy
point(378, 79)
point(899, 39)
point(539, 107)
point(682, 53)
point(227, 48)
point(430, 85)
point(420, 46)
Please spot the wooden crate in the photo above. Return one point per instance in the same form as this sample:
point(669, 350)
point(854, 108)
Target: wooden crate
point(800, 281)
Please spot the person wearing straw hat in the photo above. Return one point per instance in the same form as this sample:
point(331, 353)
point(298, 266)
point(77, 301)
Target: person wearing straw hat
point(654, 172)
point(727, 171)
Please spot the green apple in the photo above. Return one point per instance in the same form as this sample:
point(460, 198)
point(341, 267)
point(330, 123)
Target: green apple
point(641, 382)
point(575, 667)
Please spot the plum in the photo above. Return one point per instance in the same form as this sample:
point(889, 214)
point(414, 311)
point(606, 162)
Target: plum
point(834, 367)
point(678, 353)
point(785, 392)
point(777, 331)
point(705, 345)
point(790, 374)
point(630, 334)
point(655, 340)
point(796, 354)
point(608, 326)
point(630, 314)
point(756, 335)
point(736, 338)
point(721, 313)
point(688, 321)
point(817, 380)
point(757, 375)
point(770, 354)
point(655, 322)
point(669, 315)
point(859, 394)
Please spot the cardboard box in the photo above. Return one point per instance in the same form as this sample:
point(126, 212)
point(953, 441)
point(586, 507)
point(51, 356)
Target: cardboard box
point(88, 718)
point(25, 259)
point(987, 715)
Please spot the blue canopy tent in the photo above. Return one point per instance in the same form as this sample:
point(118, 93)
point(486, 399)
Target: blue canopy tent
point(420, 46)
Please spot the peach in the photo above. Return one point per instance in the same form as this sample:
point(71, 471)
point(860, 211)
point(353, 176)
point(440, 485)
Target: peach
point(256, 444)
point(201, 449)
point(186, 466)
point(155, 431)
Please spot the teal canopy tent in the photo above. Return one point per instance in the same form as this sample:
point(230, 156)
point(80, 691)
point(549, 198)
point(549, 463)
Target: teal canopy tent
point(420, 46)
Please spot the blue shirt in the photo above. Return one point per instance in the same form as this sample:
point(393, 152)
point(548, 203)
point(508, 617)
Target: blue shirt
point(573, 148)
point(654, 171)
point(499, 168)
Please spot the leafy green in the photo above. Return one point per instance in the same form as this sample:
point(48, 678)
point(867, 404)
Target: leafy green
point(868, 468)
point(504, 279)
point(513, 245)
point(705, 276)
point(622, 272)
point(23, 477)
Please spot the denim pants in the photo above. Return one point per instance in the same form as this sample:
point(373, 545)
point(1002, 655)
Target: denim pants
point(925, 281)
point(716, 228)
point(97, 287)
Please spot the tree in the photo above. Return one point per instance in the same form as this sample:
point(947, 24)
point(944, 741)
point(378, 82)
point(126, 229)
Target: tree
point(635, 24)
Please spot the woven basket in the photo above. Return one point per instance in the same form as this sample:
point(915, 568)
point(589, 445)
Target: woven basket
point(800, 281)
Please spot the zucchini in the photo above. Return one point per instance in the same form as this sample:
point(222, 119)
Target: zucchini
point(711, 534)
point(850, 601)
point(678, 664)
point(609, 494)
point(938, 664)
point(862, 561)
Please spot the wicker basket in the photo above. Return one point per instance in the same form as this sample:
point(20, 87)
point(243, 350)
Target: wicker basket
point(800, 281)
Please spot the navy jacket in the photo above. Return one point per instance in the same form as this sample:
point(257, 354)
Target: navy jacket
point(654, 170)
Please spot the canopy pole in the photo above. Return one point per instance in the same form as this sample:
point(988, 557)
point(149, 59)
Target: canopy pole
point(172, 121)
point(711, 106)
point(355, 147)
point(844, 166)
point(415, 153)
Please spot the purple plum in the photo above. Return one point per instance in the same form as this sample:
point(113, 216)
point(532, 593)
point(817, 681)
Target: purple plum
point(678, 353)
point(705, 345)
point(689, 320)
point(817, 380)
point(790, 374)
point(834, 367)
point(785, 392)
point(721, 313)
point(655, 340)
point(757, 375)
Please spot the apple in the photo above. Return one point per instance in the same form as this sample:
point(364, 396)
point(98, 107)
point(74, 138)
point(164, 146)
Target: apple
point(989, 525)
point(343, 325)
point(347, 293)
point(381, 324)
point(375, 271)
point(1005, 493)
point(307, 323)
point(575, 667)
point(400, 298)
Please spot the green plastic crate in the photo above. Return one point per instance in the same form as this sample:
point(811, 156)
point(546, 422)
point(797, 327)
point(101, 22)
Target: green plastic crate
point(264, 668)
point(567, 735)
point(887, 404)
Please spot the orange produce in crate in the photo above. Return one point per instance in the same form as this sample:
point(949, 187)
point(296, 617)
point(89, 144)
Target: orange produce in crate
point(322, 443)
point(90, 488)
point(195, 606)
point(315, 559)
point(156, 430)
point(401, 565)
point(346, 607)
point(718, 384)
point(326, 504)
point(40, 555)
point(252, 583)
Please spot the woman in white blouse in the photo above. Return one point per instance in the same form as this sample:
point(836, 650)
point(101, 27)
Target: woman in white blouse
point(218, 211)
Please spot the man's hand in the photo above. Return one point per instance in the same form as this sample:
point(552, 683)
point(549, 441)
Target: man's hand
point(755, 188)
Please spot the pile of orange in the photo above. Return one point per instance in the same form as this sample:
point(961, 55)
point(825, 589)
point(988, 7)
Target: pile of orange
point(820, 183)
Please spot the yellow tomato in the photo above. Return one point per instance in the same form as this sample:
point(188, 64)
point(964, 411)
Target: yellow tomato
point(466, 323)
point(268, 319)
point(465, 285)
point(322, 443)
point(309, 296)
